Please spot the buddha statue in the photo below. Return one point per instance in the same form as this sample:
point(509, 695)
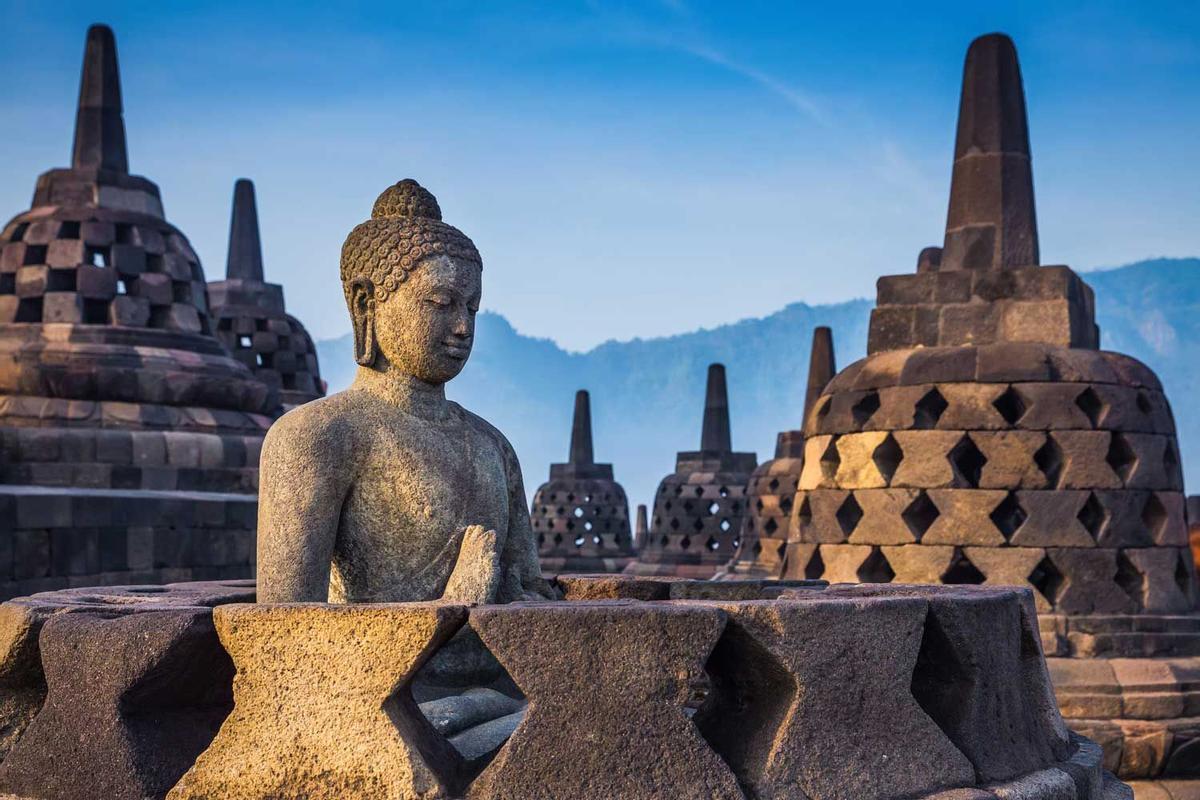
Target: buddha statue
point(389, 492)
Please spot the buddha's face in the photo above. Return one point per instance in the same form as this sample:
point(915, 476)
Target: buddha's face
point(427, 326)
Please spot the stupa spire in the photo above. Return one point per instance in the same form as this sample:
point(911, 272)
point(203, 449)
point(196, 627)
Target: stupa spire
point(715, 434)
point(991, 223)
point(821, 367)
point(581, 430)
point(245, 247)
point(99, 128)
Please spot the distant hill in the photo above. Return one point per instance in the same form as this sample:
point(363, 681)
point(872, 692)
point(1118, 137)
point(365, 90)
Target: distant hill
point(647, 393)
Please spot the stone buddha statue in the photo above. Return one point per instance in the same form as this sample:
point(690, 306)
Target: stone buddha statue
point(389, 492)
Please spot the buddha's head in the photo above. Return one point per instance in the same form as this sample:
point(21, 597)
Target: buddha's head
point(412, 283)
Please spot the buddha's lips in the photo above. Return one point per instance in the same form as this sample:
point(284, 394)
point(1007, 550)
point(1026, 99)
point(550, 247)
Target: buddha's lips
point(457, 350)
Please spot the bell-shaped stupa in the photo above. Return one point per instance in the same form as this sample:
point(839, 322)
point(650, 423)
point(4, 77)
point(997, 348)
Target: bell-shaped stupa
point(987, 439)
point(251, 318)
point(581, 515)
point(699, 508)
point(130, 437)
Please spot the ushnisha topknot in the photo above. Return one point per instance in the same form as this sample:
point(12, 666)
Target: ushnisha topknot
point(405, 227)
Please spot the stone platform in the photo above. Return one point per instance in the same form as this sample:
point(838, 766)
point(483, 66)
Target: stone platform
point(631, 688)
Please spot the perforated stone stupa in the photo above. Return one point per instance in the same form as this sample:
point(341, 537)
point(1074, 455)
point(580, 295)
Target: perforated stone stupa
point(251, 319)
point(986, 439)
point(581, 515)
point(772, 488)
point(699, 508)
point(129, 439)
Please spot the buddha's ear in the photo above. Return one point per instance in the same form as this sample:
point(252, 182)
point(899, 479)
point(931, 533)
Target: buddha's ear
point(362, 317)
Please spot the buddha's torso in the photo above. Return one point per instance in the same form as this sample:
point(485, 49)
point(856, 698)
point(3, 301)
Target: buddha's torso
point(418, 484)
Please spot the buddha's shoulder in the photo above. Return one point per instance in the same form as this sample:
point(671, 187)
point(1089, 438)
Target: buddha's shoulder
point(484, 429)
point(332, 420)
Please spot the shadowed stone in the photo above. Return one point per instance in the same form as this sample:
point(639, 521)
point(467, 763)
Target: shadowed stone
point(643, 664)
point(715, 435)
point(156, 690)
point(245, 249)
point(99, 128)
point(991, 223)
point(581, 430)
point(323, 707)
point(783, 716)
point(821, 367)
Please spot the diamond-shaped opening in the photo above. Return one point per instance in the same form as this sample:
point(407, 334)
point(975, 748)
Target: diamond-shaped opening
point(723, 491)
point(1121, 457)
point(1154, 516)
point(459, 709)
point(887, 457)
point(773, 486)
point(929, 410)
point(770, 526)
point(967, 462)
point(698, 491)
point(823, 407)
point(1130, 578)
point(697, 525)
point(578, 512)
point(579, 541)
point(725, 525)
point(1143, 403)
point(876, 568)
point(741, 699)
point(1009, 516)
point(865, 408)
point(830, 460)
point(685, 542)
point(961, 570)
point(713, 544)
point(558, 538)
point(1049, 459)
point(849, 514)
point(785, 505)
point(1010, 405)
point(815, 567)
point(1047, 579)
point(804, 513)
point(674, 523)
point(920, 515)
point(714, 507)
point(1092, 516)
point(1091, 405)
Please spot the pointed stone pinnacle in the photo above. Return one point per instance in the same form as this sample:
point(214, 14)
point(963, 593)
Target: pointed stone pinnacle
point(581, 430)
point(991, 223)
point(643, 524)
point(245, 248)
point(99, 128)
point(715, 435)
point(821, 367)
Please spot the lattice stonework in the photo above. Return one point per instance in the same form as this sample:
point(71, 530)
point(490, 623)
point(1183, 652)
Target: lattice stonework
point(1072, 486)
point(582, 525)
point(276, 348)
point(101, 267)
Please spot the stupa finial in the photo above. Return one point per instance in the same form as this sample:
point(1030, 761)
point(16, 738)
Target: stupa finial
point(581, 430)
point(821, 367)
point(245, 247)
point(991, 223)
point(715, 435)
point(99, 128)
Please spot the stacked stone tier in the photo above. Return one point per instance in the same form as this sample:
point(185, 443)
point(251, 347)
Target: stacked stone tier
point(582, 523)
point(770, 497)
point(730, 690)
point(1013, 463)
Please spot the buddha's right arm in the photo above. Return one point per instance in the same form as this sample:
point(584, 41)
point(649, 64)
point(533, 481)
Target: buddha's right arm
point(303, 480)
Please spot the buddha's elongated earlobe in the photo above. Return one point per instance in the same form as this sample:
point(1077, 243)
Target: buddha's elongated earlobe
point(362, 313)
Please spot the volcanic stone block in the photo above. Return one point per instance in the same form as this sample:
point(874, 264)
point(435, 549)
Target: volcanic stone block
point(782, 720)
point(820, 469)
point(843, 561)
point(1089, 583)
point(642, 663)
point(925, 464)
point(96, 282)
point(898, 407)
point(971, 406)
point(329, 715)
point(1053, 406)
point(883, 517)
point(156, 692)
point(1157, 590)
point(816, 516)
point(858, 470)
point(128, 259)
point(919, 563)
point(1009, 566)
point(1011, 462)
point(1052, 519)
point(62, 307)
point(1085, 460)
point(965, 517)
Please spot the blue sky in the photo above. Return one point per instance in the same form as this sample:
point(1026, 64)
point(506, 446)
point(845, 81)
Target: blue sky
point(626, 168)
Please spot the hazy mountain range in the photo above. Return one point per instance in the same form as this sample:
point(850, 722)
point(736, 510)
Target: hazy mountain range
point(647, 394)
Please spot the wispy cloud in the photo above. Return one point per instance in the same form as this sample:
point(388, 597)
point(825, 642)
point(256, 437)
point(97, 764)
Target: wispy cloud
point(794, 97)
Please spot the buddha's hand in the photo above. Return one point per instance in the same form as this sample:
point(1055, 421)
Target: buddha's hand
point(476, 575)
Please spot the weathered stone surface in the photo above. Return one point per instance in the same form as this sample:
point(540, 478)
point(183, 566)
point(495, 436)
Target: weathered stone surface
point(327, 716)
point(643, 664)
point(965, 517)
point(455, 713)
point(783, 663)
point(919, 564)
point(407, 495)
point(155, 692)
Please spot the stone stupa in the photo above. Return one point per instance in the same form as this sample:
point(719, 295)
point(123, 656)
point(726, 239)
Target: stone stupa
point(251, 318)
point(130, 438)
point(699, 508)
point(987, 439)
point(581, 515)
point(772, 488)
